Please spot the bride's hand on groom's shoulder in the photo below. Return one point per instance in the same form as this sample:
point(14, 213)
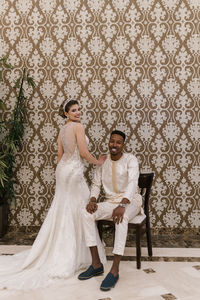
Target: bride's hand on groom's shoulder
point(101, 159)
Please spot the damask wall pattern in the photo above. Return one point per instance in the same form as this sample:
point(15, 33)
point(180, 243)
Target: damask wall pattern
point(134, 66)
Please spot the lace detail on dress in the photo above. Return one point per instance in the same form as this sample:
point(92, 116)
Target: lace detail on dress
point(69, 142)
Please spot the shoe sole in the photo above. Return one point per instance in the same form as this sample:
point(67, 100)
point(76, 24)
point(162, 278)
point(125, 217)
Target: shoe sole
point(108, 288)
point(85, 278)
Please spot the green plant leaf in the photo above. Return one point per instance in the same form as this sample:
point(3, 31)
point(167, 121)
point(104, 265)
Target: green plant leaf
point(30, 81)
point(2, 105)
point(13, 131)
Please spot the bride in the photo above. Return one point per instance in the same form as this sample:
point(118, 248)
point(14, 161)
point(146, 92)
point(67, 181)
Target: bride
point(59, 249)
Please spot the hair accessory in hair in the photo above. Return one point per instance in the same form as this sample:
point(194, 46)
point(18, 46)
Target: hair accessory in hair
point(66, 102)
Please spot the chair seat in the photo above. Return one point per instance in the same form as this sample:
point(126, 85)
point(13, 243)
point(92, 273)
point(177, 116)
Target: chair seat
point(138, 219)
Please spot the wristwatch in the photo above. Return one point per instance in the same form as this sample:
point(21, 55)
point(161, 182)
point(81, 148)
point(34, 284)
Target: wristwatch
point(122, 205)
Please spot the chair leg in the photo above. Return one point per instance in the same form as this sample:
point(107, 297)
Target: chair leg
point(148, 234)
point(100, 229)
point(138, 246)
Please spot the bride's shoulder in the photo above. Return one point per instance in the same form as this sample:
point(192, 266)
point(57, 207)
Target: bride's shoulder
point(79, 127)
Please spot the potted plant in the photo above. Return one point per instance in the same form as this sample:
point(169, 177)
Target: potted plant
point(11, 134)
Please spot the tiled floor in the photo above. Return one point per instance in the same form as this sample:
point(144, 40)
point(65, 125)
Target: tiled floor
point(157, 280)
point(172, 273)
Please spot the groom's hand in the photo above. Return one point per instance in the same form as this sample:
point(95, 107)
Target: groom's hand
point(118, 214)
point(92, 206)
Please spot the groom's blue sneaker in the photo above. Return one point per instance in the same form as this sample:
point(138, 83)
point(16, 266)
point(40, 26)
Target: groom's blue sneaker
point(90, 272)
point(109, 282)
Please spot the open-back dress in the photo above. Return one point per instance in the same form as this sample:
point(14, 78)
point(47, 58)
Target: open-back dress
point(59, 249)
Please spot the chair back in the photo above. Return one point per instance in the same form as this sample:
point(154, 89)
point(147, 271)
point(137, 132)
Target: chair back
point(145, 183)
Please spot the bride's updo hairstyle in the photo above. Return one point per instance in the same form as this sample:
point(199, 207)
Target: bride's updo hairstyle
point(65, 107)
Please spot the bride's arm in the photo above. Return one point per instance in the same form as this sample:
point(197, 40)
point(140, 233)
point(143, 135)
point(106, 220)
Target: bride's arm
point(82, 145)
point(60, 148)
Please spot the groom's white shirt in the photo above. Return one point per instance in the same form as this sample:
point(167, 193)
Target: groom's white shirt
point(119, 179)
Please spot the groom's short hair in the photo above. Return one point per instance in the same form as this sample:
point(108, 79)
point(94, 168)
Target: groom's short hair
point(118, 132)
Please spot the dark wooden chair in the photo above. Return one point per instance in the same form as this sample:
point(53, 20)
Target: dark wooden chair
point(145, 184)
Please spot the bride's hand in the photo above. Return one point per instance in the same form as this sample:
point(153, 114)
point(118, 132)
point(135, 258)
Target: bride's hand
point(101, 159)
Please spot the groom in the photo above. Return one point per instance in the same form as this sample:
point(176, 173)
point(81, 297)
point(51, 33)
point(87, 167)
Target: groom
point(119, 177)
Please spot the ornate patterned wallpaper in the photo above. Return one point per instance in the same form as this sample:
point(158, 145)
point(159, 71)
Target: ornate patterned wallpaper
point(133, 65)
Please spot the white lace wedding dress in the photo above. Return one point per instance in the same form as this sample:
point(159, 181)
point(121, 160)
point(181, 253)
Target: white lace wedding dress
point(59, 249)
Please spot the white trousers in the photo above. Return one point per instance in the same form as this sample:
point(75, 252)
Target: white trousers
point(104, 211)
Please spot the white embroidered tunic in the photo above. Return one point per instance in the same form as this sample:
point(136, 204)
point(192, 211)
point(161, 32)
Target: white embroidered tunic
point(119, 179)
